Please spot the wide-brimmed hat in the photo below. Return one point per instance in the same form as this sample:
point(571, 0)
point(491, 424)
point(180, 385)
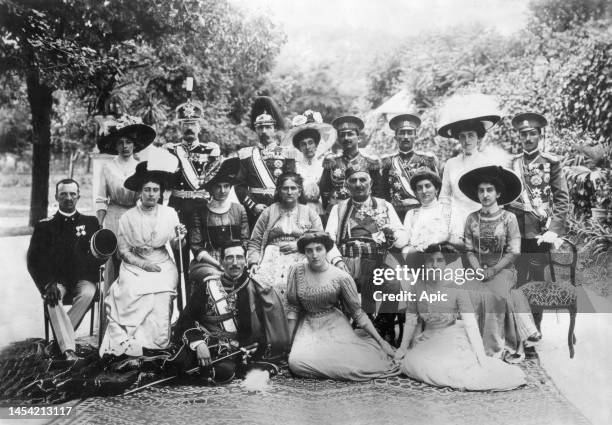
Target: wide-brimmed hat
point(227, 173)
point(425, 174)
point(310, 130)
point(124, 126)
point(161, 166)
point(528, 121)
point(317, 236)
point(404, 121)
point(469, 111)
point(511, 186)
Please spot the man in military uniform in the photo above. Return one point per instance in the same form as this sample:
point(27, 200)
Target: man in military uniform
point(542, 208)
point(397, 169)
point(261, 165)
point(60, 268)
point(198, 163)
point(332, 185)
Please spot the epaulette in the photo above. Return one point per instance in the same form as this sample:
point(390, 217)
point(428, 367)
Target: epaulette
point(216, 150)
point(330, 160)
point(374, 162)
point(550, 156)
point(387, 160)
point(245, 152)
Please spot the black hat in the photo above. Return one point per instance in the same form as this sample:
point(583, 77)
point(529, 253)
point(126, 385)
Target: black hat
point(478, 124)
point(124, 126)
point(318, 236)
point(405, 121)
point(425, 174)
point(305, 131)
point(142, 174)
point(348, 122)
point(528, 121)
point(265, 110)
point(505, 181)
point(226, 173)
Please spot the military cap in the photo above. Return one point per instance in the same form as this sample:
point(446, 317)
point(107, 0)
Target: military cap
point(189, 111)
point(405, 121)
point(348, 123)
point(264, 111)
point(528, 121)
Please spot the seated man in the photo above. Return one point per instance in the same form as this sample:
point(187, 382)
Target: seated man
point(217, 313)
point(59, 267)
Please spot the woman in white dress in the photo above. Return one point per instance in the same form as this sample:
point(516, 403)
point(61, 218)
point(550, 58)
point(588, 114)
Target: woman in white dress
point(121, 137)
point(470, 133)
point(447, 351)
point(139, 304)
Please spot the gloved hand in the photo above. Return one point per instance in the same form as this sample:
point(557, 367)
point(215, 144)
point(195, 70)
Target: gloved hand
point(550, 237)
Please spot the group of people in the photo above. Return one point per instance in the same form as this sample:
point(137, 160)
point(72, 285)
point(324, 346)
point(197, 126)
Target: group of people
point(313, 227)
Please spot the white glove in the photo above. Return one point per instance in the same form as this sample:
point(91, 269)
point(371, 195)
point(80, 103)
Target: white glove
point(550, 237)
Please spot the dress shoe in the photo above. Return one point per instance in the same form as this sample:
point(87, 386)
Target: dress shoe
point(533, 339)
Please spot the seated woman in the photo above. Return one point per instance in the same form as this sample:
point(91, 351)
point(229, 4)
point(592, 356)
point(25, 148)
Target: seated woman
point(448, 352)
point(139, 303)
point(220, 222)
point(325, 345)
point(428, 224)
point(493, 242)
point(272, 248)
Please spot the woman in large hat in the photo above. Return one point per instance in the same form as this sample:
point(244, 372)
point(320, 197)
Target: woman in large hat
point(122, 137)
point(467, 119)
point(313, 138)
point(218, 223)
point(139, 304)
point(447, 352)
point(493, 242)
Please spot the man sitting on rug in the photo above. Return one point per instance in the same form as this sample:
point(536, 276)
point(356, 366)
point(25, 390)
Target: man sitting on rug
point(216, 320)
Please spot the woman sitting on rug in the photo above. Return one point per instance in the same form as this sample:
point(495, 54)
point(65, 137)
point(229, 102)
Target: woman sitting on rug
point(139, 304)
point(493, 242)
point(325, 345)
point(219, 223)
point(272, 248)
point(448, 352)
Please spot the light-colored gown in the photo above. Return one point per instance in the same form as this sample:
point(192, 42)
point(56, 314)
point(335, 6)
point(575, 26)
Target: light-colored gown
point(273, 227)
point(115, 200)
point(139, 303)
point(325, 344)
point(448, 352)
point(311, 171)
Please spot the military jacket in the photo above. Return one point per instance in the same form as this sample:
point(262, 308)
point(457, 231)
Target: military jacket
point(398, 169)
point(58, 251)
point(196, 164)
point(259, 168)
point(333, 184)
point(544, 202)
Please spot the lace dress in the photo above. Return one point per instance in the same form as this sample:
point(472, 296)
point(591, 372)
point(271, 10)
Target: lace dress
point(325, 344)
point(449, 352)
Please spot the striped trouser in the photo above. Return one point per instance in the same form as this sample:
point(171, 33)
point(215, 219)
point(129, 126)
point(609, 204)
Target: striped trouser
point(64, 323)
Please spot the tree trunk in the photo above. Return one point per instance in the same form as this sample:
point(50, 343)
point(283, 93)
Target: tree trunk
point(40, 97)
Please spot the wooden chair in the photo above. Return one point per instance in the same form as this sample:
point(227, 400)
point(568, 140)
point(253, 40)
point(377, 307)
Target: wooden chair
point(556, 295)
point(67, 300)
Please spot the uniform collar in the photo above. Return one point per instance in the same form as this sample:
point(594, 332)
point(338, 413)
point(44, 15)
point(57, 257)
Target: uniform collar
point(73, 214)
point(531, 155)
point(357, 155)
point(192, 146)
point(406, 154)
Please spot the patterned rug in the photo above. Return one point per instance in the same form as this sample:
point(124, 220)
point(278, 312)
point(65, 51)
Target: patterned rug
point(307, 401)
